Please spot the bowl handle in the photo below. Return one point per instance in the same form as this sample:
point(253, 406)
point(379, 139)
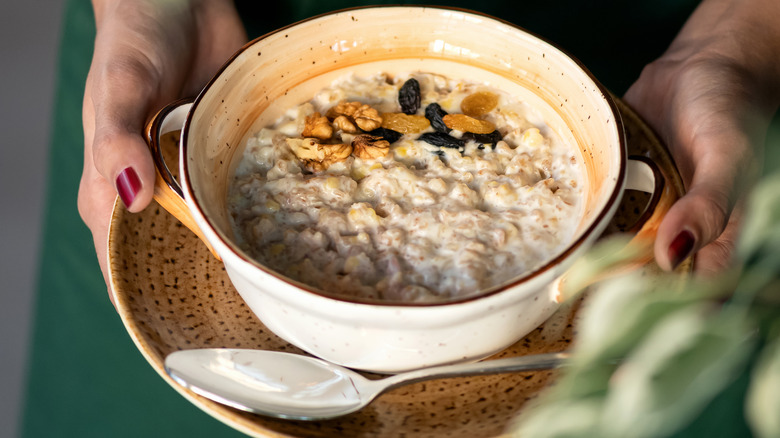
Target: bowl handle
point(167, 191)
point(644, 175)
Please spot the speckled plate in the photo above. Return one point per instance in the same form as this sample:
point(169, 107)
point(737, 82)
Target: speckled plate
point(172, 294)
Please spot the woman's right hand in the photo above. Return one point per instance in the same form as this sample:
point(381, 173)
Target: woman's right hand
point(147, 53)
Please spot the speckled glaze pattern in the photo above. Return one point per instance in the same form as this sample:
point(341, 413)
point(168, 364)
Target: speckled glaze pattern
point(171, 295)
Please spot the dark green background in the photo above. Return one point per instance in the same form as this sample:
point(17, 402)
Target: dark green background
point(86, 378)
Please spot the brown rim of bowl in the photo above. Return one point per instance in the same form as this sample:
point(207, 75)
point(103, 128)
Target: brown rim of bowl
point(488, 292)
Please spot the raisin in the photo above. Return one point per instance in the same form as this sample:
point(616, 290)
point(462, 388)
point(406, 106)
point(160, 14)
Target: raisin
point(388, 134)
point(409, 96)
point(442, 140)
point(434, 113)
point(492, 138)
point(405, 123)
point(465, 123)
point(479, 104)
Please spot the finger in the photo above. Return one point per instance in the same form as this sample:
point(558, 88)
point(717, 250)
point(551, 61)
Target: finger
point(701, 215)
point(715, 257)
point(693, 221)
point(122, 94)
point(220, 34)
point(141, 56)
point(96, 197)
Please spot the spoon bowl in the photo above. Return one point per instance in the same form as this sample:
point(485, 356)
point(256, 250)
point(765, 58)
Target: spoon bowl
point(300, 387)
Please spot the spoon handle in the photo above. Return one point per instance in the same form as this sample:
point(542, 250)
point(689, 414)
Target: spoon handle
point(512, 364)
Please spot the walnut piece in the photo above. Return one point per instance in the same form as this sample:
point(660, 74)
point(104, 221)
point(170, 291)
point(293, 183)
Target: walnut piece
point(345, 109)
point(317, 126)
point(367, 118)
point(368, 147)
point(360, 114)
point(315, 156)
point(345, 125)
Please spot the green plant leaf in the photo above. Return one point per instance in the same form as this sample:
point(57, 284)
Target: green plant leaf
point(682, 345)
point(763, 398)
point(603, 260)
point(761, 218)
point(683, 362)
point(544, 421)
point(622, 310)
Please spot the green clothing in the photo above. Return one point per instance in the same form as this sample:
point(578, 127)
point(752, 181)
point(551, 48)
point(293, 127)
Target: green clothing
point(86, 378)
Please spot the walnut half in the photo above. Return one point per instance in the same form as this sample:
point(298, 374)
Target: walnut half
point(370, 146)
point(317, 126)
point(365, 117)
point(345, 125)
point(315, 156)
point(344, 109)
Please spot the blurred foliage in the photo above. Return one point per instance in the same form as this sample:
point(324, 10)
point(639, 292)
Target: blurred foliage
point(659, 357)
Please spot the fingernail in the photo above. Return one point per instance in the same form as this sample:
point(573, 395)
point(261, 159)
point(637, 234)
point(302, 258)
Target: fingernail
point(128, 185)
point(681, 247)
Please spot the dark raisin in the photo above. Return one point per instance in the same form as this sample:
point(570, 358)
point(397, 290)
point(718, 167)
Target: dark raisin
point(434, 113)
point(409, 96)
point(492, 138)
point(387, 134)
point(442, 140)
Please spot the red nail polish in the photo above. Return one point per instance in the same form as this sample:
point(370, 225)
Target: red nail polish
point(681, 247)
point(128, 185)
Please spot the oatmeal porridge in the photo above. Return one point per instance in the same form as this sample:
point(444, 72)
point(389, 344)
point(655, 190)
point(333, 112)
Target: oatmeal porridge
point(406, 188)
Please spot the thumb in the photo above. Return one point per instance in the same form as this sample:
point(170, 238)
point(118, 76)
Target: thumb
point(694, 220)
point(121, 97)
point(699, 219)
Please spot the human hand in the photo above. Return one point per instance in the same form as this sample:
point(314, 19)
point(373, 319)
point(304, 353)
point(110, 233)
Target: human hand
point(147, 54)
point(711, 97)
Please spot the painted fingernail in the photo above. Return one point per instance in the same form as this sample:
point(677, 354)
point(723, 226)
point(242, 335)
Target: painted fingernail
point(128, 185)
point(681, 247)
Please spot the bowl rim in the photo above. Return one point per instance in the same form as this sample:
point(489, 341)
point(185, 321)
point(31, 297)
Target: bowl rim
point(194, 205)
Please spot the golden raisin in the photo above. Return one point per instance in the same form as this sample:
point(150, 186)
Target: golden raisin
point(464, 123)
point(404, 123)
point(479, 103)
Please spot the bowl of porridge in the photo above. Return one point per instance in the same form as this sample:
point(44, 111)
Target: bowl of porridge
point(388, 191)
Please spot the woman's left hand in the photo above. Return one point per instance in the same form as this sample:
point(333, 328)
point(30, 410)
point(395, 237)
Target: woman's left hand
point(711, 97)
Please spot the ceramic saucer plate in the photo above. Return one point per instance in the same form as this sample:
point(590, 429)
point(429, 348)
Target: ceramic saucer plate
point(172, 294)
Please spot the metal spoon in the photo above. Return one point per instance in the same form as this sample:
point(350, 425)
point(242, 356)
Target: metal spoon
point(300, 387)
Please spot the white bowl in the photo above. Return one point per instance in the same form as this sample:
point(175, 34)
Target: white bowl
point(286, 67)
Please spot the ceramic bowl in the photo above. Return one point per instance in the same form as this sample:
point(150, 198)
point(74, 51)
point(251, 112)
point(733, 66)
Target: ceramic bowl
point(287, 67)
